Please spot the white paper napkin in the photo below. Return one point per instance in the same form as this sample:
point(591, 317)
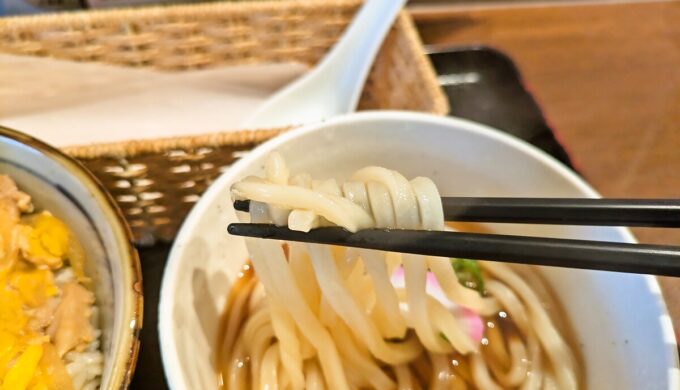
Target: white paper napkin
point(70, 103)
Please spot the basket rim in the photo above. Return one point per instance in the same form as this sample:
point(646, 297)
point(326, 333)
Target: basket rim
point(89, 15)
point(121, 149)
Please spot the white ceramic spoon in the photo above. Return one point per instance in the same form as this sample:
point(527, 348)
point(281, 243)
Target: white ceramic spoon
point(334, 86)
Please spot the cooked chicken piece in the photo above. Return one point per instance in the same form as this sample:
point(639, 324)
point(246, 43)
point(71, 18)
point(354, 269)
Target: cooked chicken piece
point(71, 329)
point(8, 189)
point(9, 218)
point(41, 317)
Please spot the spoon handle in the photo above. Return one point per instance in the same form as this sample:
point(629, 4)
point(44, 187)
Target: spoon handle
point(334, 86)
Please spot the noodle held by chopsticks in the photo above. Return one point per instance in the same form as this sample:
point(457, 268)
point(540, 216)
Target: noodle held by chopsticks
point(333, 318)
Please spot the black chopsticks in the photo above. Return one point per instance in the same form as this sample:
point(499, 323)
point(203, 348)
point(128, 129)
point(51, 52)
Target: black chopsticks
point(597, 255)
point(560, 211)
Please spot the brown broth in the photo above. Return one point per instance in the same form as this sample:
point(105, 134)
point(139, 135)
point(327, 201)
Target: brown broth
point(243, 284)
point(459, 365)
point(547, 295)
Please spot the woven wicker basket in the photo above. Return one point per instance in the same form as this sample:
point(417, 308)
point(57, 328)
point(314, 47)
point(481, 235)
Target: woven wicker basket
point(157, 182)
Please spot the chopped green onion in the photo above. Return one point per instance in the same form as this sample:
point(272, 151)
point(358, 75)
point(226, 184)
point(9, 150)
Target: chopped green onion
point(469, 274)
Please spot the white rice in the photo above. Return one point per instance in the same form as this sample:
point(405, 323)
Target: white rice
point(64, 275)
point(85, 368)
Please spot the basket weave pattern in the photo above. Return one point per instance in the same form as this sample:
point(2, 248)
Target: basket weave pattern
point(156, 182)
point(184, 37)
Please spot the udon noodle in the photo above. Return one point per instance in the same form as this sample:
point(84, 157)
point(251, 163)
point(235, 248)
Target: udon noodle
point(322, 317)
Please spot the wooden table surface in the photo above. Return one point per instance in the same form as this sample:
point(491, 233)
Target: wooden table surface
point(607, 77)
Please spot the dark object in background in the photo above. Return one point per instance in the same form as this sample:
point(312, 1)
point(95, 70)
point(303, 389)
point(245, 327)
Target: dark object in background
point(149, 373)
point(482, 84)
point(94, 4)
point(27, 7)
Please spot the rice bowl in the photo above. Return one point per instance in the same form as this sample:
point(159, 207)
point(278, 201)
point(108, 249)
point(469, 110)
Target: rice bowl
point(70, 206)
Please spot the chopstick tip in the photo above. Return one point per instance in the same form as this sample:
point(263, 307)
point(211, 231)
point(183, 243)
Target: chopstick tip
point(242, 205)
point(233, 229)
point(256, 230)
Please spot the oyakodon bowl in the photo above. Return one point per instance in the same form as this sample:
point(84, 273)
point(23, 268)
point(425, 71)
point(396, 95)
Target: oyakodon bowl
point(59, 184)
point(621, 326)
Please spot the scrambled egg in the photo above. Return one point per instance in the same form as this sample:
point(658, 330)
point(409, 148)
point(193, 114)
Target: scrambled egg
point(31, 249)
point(44, 241)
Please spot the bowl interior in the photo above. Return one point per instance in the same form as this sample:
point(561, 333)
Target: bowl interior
point(622, 348)
point(68, 194)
